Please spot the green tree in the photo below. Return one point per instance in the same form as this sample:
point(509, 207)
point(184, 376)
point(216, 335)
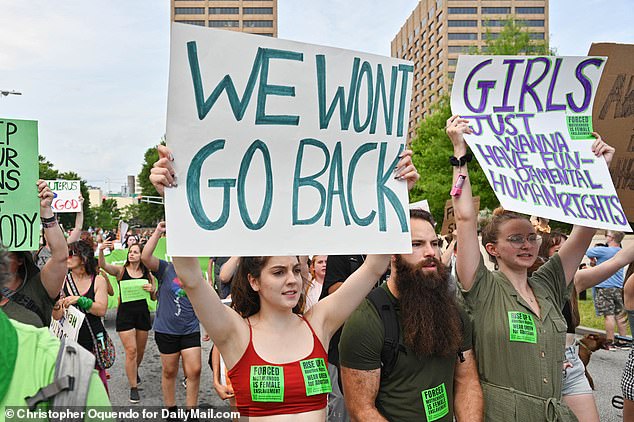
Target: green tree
point(131, 214)
point(107, 215)
point(514, 39)
point(432, 150)
point(149, 214)
point(432, 147)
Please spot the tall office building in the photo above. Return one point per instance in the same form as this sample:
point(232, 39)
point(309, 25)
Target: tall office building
point(253, 16)
point(438, 31)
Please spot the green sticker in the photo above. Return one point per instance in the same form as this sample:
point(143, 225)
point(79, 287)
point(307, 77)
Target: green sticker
point(267, 383)
point(435, 402)
point(522, 327)
point(316, 376)
point(579, 127)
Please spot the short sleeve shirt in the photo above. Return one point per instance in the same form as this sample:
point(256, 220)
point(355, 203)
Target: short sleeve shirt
point(602, 254)
point(339, 268)
point(37, 354)
point(414, 381)
point(514, 347)
point(175, 314)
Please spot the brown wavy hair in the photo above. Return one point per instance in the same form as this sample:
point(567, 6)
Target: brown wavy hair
point(554, 238)
point(491, 231)
point(246, 301)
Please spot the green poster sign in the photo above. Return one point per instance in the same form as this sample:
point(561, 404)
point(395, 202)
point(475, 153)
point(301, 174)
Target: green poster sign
point(118, 257)
point(316, 378)
point(267, 383)
point(19, 204)
point(133, 290)
point(435, 402)
point(522, 327)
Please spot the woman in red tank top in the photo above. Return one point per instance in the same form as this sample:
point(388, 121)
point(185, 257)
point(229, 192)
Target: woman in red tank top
point(276, 356)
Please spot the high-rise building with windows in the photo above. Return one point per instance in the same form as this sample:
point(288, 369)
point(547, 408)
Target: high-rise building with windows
point(253, 16)
point(438, 31)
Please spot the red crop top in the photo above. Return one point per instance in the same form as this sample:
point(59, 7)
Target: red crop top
point(264, 389)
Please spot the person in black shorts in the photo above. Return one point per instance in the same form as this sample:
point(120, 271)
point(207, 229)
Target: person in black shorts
point(133, 318)
point(176, 329)
point(86, 290)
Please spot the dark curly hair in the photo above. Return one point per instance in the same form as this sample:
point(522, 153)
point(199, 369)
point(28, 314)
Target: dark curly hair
point(246, 301)
point(87, 255)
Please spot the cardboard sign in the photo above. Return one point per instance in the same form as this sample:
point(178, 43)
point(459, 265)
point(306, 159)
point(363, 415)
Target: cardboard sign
point(532, 123)
point(449, 219)
point(613, 116)
point(68, 325)
point(133, 290)
point(66, 195)
point(19, 204)
point(284, 148)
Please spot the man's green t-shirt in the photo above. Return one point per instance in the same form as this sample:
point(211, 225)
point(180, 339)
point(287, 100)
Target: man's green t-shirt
point(419, 388)
point(35, 367)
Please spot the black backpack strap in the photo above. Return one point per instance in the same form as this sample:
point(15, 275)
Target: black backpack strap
point(380, 299)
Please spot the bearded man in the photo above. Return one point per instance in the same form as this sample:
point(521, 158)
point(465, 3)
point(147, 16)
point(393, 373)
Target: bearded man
point(435, 375)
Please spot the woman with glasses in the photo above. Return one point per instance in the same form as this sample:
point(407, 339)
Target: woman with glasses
point(87, 290)
point(519, 329)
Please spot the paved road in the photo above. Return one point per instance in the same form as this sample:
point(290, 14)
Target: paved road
point(606, 368)
point(150, 373)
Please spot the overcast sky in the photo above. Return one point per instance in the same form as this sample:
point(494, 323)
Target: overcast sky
point(94, 74)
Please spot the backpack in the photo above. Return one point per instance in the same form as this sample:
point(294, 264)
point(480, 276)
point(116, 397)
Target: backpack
point(73, 370)
point(380, 299)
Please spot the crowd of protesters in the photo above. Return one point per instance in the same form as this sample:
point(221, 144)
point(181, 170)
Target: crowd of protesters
point(422, 336)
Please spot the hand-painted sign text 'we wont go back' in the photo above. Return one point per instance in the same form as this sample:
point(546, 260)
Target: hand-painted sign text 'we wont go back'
point(284, 148)
point(532, 123)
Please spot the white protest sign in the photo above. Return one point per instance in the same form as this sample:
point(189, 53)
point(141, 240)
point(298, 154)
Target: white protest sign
point(68, 325)
point(423, 205)
point(66, 195)
point(284, 148)
point(532, 119)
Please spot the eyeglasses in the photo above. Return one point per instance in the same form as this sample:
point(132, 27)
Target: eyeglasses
point(518, 240)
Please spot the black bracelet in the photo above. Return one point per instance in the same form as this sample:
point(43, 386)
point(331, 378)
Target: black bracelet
point(461, 161)
point(48, 219)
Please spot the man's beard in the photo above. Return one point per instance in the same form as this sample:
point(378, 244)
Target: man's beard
point(431, 321)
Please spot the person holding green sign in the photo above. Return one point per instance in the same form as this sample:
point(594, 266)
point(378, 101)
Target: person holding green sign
point(30, 293)
point(275, 353)
point(519, 328)
point(133, 321)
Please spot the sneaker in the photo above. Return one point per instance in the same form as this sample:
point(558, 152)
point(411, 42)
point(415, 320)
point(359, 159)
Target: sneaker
point(134, 395)
point(184, 382)
point(172, 415)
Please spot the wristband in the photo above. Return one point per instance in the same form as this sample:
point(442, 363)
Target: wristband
point(459, 162)
point(84, 302)
point(49, 225)
point(48, 219)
